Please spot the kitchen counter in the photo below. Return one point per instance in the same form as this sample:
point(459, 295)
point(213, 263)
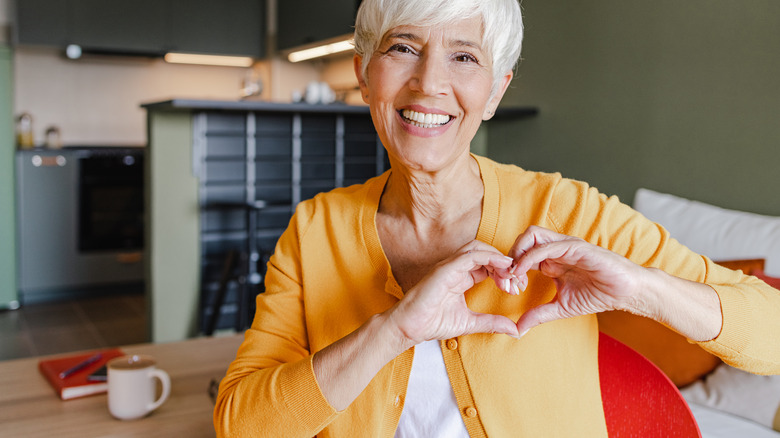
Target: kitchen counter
point(252, 105)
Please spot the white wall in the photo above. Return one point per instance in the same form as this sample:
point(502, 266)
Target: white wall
point(96, 100)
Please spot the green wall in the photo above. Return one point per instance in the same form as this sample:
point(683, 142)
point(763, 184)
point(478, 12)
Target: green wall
point(8, 294)
point(681, 97)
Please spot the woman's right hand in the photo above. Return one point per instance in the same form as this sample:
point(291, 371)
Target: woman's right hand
point(435, 308)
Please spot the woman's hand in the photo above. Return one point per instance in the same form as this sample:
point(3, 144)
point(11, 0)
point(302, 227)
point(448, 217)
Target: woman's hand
point(589, 279)
point(435, 308)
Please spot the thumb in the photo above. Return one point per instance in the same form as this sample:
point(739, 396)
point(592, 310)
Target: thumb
point(539, 315)
point(489, 323)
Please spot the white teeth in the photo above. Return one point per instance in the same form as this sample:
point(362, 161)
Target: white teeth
point(424, 120)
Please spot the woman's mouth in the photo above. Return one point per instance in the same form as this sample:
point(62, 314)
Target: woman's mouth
point(425, 120)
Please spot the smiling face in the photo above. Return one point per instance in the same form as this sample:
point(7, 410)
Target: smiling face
point(429, 88)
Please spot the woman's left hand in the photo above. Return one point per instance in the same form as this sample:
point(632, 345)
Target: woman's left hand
point(589, 279)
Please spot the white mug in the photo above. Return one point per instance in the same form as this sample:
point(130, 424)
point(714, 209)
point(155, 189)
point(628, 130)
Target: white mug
point(132, 388)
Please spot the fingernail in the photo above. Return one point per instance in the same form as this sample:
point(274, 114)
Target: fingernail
point(523, 334)
point(505, 283)
point(515, 289)
point(509, 259)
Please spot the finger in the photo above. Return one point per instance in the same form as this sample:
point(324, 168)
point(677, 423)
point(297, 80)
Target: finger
point(564, 252)
point(510, 285)
point(539, 315)
point(489, 323)
point(474, 265)
point(532, 236)
point(479, 275)
point(490, 258)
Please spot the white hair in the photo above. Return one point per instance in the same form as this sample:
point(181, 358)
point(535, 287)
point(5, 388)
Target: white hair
point(502, 24)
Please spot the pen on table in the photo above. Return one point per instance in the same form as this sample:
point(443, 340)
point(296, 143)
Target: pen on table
point(81, 365)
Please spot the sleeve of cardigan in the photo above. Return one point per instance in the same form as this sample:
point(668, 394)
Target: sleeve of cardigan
point(270, 389)
point(750, 337)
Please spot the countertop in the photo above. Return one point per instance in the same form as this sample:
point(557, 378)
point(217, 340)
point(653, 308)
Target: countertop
point(256, 105)
point(252, 105)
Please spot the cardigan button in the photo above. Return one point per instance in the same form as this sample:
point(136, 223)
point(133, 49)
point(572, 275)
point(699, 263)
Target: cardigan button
point(452, 344)
point(471, 412)
point(397, 401)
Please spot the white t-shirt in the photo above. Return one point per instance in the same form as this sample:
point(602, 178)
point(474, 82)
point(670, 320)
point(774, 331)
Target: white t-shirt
point(430, 409)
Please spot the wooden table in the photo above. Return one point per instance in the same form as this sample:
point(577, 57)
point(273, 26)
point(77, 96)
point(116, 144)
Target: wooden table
point(29, 407)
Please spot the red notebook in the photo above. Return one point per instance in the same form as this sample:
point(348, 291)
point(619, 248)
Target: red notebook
point(75, 384)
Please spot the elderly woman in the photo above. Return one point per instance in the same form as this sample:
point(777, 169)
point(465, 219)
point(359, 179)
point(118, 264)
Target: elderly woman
point(377, 319)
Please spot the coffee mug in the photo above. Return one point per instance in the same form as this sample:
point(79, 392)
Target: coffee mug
point(132, 386)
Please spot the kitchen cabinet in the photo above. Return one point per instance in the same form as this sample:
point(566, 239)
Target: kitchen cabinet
point(206, 159)
point(228, 27)
point(302, 22)
point(74, 209)
point(136, 26)
point(145, 27)
point(42, 22)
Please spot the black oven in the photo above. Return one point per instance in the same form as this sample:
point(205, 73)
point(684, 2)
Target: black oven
point(111, 199)
point(80, 221)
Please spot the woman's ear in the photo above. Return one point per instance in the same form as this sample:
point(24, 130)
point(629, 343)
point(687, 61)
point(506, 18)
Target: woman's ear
point(490, 108)
point(357, 62)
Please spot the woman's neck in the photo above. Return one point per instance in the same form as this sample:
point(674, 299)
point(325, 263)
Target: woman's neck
point(433, 199)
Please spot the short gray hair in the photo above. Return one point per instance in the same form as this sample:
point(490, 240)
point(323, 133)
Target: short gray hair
point(501, 20)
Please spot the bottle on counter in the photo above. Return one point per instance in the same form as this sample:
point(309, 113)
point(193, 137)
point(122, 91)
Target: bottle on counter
point(24, 131)
point(53, 137)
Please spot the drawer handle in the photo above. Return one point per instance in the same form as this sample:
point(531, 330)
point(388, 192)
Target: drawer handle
point(49, 161)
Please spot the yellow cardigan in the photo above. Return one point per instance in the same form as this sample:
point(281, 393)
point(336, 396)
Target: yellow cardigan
point(329, 275)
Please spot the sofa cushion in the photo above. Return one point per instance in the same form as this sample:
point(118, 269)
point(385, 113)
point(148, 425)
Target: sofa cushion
point(718, 233)
point(739, 393)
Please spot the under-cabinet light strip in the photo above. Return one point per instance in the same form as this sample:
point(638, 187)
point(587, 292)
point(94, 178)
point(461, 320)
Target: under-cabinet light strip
point(192, 58)
point(320, 51)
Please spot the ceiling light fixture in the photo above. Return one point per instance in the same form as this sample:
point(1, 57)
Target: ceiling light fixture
point(225, 61)
point(320, 51)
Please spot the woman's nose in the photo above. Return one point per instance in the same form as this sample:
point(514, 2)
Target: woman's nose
point(431, 76)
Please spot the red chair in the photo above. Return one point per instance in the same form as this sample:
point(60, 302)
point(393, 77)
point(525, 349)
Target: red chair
point(639, 399)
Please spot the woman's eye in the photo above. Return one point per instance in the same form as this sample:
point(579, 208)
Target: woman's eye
point(401, 48)
point(465, 57)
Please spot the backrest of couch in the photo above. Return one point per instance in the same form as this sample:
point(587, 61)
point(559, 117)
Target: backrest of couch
point(715, 232)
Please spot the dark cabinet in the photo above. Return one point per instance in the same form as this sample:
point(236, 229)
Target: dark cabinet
point(42, 22)
point(229, 27)
point(303, 22)
point(136, 26)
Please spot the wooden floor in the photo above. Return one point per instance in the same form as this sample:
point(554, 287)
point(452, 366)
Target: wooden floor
point(78, 324)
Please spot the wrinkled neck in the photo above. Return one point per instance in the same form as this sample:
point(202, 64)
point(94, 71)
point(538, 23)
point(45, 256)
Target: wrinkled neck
point(433, 198)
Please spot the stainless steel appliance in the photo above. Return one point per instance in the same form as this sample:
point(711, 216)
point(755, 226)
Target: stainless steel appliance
point(79, 221)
